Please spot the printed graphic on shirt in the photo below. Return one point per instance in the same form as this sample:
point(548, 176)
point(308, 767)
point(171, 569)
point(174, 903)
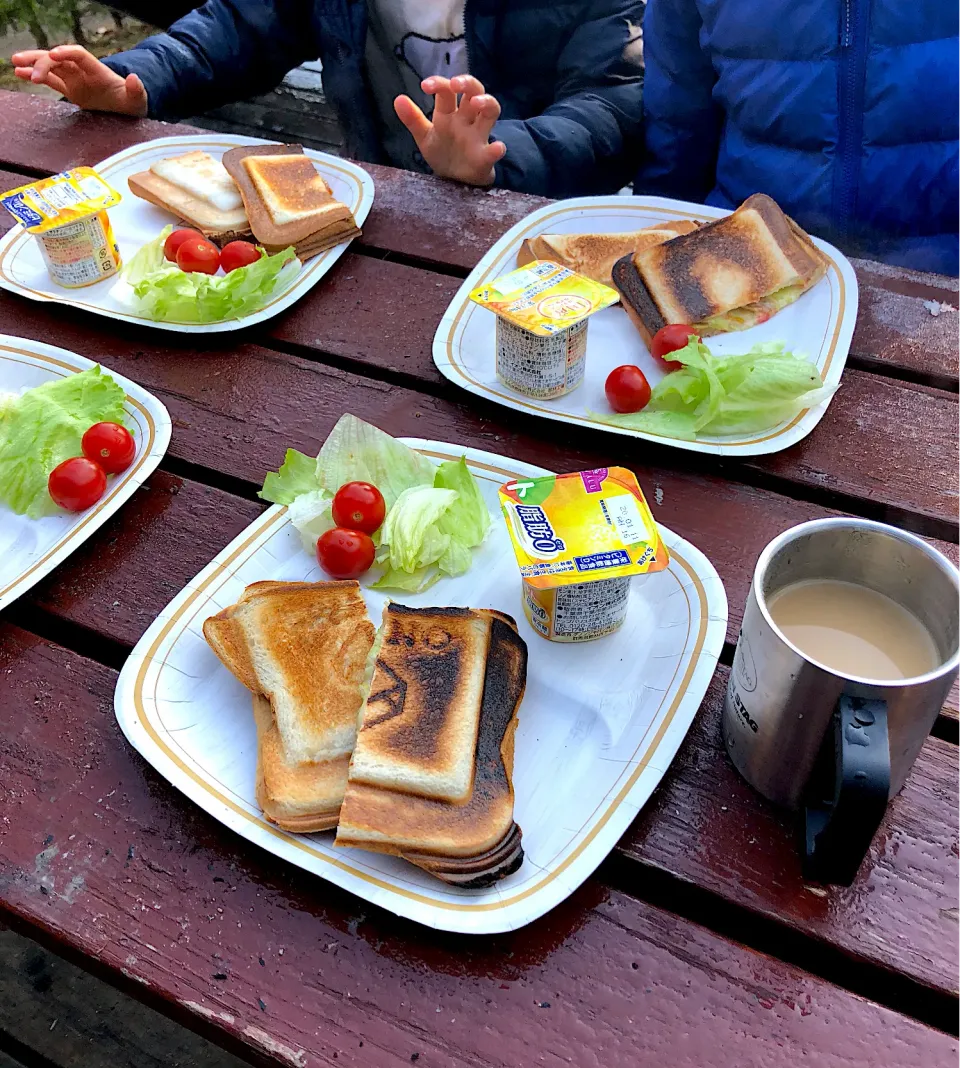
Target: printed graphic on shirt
point(427, 56)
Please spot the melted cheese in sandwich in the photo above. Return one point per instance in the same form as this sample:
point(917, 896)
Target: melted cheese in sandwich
point(290, 186)
point(201, 176)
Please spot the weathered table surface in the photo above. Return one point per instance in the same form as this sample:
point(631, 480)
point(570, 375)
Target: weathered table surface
point(697, 942)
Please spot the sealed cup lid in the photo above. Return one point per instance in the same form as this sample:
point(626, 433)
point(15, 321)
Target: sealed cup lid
point(569, 529)
point(544, 297)
point(61, 199)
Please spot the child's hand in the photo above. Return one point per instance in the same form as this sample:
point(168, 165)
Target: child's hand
point(456, 144)
point(82, 79)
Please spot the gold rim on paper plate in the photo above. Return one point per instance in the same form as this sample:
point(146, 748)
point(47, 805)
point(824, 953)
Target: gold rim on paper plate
point(75, 533)
point(225, 570)
point(19, 244)
point(518, 401)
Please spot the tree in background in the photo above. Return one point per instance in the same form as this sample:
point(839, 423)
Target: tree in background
point(46, 18)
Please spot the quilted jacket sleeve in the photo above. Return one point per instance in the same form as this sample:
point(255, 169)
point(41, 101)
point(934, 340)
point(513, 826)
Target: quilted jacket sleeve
point(682, 122)
point(225, 50)
point(587, 140)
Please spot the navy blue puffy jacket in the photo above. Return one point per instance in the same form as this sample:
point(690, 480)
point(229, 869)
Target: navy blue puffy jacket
point(566, 74)
point(844, 111)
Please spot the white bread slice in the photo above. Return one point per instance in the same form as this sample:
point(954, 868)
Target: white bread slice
point(419, 723)
point(202, 176)
point(197, 213)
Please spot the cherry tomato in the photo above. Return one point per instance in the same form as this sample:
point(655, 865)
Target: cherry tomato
point(345, 554)
point(77, 483)
point(197, 254)
point(627, 389)
point(238, 254)
point(110, 445)
point(175, 240)
point(359, 506)
point(669, 338)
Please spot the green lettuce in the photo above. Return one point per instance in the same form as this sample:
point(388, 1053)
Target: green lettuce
point(43, 427)
point(161, 291)
point(727, 394)
point(435, 517)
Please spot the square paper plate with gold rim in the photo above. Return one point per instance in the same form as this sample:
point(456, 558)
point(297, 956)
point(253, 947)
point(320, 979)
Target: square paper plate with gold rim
point(135, 222)
point(818, 326)
point(598, 725)
point(30, 548)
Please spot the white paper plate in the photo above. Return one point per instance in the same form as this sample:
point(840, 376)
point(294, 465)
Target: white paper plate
point(30, 548)
point(136, 222)
point(598, 727)
point(818, 326)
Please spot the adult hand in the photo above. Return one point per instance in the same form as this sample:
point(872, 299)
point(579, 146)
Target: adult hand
point(456, 143)
point(82, 79)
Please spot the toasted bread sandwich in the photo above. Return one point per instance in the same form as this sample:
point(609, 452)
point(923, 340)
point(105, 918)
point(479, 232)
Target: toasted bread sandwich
point(301, 648)
point(422, 696)
point(594, 255)
point(287, 200)
point(730, 274)
point(197, 189)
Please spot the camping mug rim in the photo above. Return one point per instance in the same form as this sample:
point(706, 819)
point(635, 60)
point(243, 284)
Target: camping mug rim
point(811, 527)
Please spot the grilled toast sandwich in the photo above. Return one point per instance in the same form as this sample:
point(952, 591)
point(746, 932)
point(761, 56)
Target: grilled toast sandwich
point(594, 255)
point(301, 649)
point(423, 689)
point(729, 274)
point(197, 189)
point(287, 200)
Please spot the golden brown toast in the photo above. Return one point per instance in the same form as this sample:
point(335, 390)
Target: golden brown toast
point(296, 797)
point(594, 255)
point(472, 843)
point(287, 201)
point(303, 645)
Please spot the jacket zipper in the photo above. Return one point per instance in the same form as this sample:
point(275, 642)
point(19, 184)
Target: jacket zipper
point(852, 71)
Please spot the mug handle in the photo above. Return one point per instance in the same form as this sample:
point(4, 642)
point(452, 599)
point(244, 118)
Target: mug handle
point(847, 794)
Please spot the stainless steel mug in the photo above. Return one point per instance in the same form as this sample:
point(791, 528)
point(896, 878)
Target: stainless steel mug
point(809, 737)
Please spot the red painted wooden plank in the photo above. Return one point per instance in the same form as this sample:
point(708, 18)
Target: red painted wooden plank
point(886, 443)
point(101, 857)
point(695, 829)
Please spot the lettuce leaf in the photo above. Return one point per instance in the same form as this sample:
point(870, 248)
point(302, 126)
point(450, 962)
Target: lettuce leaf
point(157, 288)
point(311, 515)
point(727, 394)
point(297, 474)
point(355, 451)
point(410, 538)
point(43, 426)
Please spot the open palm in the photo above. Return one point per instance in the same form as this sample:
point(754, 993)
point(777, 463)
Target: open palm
point(82, 79)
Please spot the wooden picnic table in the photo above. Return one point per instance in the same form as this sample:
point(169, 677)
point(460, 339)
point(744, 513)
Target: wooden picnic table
point(697, 943)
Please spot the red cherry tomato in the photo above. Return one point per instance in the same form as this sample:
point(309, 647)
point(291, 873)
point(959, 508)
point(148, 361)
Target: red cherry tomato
point(359, 506)
point(238, 254)
point(669, 338)
point(110, 445)
point(77, 483)
point(175, 240)
point(197, 254)
point(345, 554)
point(627, 389)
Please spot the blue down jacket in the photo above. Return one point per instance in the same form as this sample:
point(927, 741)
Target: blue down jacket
point(844, 111)
point(567, 76)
